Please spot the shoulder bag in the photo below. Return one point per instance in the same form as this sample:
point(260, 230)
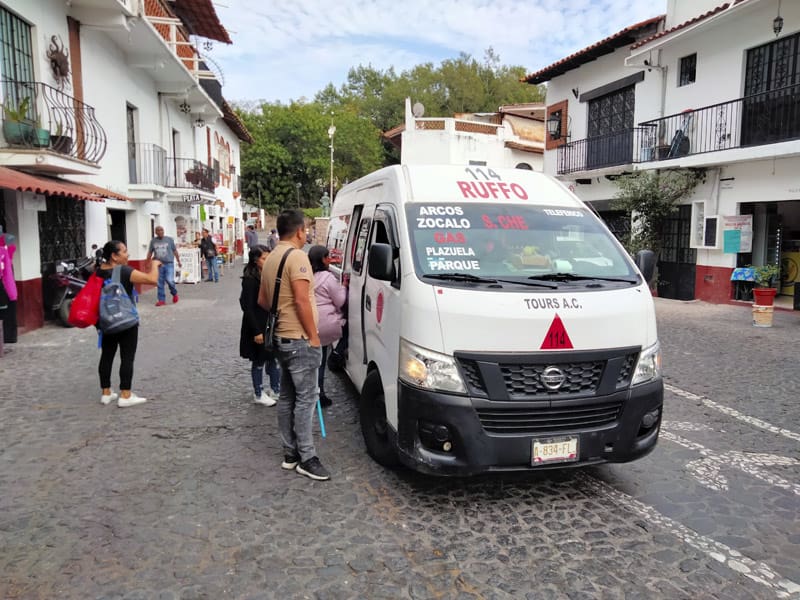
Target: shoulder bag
point(85, 308)
point(272, 317)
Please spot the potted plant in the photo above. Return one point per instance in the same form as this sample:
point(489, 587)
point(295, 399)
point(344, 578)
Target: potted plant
point(61, 143)
point(41, 136)
point(763, 292)
point(17, 127)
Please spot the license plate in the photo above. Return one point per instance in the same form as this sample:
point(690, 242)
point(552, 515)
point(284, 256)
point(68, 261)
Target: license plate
point(554, 450)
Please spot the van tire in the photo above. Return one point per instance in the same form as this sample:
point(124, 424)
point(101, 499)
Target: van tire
point(372, 414)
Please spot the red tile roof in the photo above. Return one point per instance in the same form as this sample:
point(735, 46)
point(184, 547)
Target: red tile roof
point(590, 53)
point(692, 21)
point(235, 123)
point(53, 186)
point(201, 19)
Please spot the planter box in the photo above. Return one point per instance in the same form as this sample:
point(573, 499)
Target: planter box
point(19, 132)
point(61, 143)
point(41, 138)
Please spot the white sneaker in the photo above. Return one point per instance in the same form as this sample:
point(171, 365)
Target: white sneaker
point(110, 398)
point(272, 394)
point(265, 399)
point(133, 400)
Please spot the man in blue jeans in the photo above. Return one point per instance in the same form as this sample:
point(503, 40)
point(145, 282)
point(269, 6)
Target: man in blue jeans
point(162, 247)
point(297, 338)
point(208, 250)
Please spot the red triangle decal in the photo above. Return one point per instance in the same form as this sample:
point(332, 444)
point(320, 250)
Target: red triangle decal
point(557, 337)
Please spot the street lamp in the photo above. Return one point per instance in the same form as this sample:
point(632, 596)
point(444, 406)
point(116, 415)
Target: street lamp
point(331, 131)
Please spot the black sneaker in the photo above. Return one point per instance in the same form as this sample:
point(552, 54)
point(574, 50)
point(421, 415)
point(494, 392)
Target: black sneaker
point(313, 468)
point(290, 461)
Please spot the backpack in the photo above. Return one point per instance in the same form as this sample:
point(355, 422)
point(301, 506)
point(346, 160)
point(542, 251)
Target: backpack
point(117, 310)
point(84, 308)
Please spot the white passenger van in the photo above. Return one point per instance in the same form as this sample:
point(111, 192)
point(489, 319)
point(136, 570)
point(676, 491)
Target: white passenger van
point(494, 323)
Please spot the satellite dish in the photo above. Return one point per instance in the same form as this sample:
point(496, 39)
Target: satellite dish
point(418, 110)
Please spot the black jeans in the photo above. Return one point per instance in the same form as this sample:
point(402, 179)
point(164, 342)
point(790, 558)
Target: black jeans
point(127, 341)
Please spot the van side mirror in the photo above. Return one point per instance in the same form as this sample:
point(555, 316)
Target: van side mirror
point(646, 262)
point(381, 265)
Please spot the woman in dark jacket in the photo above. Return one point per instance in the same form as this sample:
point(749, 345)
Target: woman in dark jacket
point(254, 320)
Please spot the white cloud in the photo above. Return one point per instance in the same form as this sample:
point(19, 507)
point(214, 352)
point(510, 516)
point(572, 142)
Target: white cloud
point(286, 50)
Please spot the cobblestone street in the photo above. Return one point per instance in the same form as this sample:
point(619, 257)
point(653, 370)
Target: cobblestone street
point(184, 497)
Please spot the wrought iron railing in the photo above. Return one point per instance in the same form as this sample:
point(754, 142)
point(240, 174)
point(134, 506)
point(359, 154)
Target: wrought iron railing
point(147, 164)
point(189, 173)
point(37, 115)
point(610, 150)
point(759, 119)
point(764, 118)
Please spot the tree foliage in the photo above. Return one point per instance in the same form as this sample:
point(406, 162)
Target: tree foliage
point(289, 162)
point(292, 144)
point(651, 197)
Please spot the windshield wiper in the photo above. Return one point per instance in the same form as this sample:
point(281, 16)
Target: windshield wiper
point(460, 277)
point(573, 277)
point(552, 286)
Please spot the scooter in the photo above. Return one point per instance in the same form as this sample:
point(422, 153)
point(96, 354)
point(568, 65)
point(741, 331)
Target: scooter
point(68, 280)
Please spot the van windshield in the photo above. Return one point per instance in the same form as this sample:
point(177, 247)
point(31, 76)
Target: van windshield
point(547, 246)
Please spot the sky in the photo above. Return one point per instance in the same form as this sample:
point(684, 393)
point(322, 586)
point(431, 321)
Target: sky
point(290, 49)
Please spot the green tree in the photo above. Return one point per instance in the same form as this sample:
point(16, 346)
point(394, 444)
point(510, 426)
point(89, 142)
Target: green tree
point(650, 197)
point(291, 146)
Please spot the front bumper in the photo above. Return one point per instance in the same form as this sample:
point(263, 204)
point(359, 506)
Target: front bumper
point(474, 450)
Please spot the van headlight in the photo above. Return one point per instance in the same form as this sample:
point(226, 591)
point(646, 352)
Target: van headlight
point(649, 365)
point(428, 369)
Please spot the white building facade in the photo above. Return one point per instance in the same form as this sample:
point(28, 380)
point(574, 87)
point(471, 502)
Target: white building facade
point(710, 86)
point(129, 131)
point(511, 137)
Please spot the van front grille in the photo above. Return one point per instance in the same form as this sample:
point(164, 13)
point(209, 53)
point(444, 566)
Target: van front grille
point(525, 380)
point(518, 377)
point(546, 420)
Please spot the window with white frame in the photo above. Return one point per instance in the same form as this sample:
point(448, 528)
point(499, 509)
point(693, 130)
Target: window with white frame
point(705, 228)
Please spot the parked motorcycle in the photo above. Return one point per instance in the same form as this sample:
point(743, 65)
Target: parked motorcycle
point(67, 281)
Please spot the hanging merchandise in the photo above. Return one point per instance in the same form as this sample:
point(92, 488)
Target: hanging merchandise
point(202, 213)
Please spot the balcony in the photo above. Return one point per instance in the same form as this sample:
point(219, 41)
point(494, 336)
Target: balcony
point(38, 117)
point(614, 149)
point(757, 120)
point(149, 166)
point(766, 118)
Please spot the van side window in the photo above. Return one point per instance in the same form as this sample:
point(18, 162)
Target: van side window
point(382, 233)
point(361, 246)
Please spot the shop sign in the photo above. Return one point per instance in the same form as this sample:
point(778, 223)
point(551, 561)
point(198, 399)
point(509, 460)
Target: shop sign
point(190, 197)
point(737, 234)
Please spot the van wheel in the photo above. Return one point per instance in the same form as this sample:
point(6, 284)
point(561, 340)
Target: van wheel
point(63, 312)
point(372, 413)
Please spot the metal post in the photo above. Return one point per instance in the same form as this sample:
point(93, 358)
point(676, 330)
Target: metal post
point(331, 131)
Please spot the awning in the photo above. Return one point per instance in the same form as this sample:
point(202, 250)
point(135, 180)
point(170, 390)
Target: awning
point(53, 186)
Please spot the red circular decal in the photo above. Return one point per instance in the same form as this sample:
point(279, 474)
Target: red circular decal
point(379, 307)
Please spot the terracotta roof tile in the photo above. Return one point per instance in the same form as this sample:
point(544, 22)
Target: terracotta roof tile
point(201, 19)
point(53, 186)
point(604, 46)
point(691, 21)
point(235, 123)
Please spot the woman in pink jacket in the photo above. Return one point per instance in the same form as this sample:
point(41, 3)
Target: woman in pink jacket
point(331, 296)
